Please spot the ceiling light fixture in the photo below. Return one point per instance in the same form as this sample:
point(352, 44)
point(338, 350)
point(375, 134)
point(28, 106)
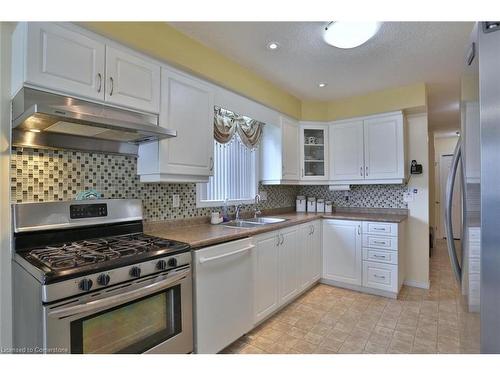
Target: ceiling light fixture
point(343, 34)
point(322, 84)
point(272, 46)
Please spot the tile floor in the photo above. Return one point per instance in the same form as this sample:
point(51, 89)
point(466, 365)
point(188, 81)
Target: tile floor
point(327, 320)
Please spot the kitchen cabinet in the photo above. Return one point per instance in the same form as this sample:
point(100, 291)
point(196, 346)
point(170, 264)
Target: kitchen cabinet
point(288, 265)
point(58, 59)
point(347, 151)
point(342, 251)
point(309, 266)
point(187, 106)
point(313, 152)
point(368, 150)
point(266, 281)
point(132, 81)
point(280, 153)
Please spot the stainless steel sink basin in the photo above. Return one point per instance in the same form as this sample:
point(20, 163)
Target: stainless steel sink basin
point(253, 222)
point(266, 220)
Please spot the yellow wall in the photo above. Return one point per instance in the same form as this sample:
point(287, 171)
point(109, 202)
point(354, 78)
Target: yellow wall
point(164, 42)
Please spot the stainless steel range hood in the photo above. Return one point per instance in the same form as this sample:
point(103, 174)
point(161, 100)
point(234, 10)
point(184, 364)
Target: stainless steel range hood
point(46, 120)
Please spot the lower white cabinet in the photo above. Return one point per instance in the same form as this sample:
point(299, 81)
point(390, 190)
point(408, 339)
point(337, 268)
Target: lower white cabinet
point(288, 264)
point(309, 254)
point(342, 251)
point(381, 276)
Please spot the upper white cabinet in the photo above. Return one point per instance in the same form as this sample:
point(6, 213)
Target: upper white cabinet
point(280, 153)
point(313, 152)
point(59, 59)
point(384, 147)
point(342, 251)
point(346, 151)
point(71, 61)
point(132, 81)
point(369, 150)
point(187, 106)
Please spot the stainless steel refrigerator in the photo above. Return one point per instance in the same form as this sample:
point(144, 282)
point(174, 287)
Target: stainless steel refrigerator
point(476, 166)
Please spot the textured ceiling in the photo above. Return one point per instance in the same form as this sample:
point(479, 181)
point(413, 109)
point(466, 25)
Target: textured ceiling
point(401, 53)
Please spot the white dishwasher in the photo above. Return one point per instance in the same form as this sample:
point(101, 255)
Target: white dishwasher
point(223, 294)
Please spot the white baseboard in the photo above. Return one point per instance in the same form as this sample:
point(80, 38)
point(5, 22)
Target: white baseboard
point(417, 284)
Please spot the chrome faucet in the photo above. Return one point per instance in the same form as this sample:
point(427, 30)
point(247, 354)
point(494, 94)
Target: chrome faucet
point(238, 209)
point(256, 210)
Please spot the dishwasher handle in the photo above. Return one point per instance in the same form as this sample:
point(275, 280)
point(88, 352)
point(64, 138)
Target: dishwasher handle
point(205, 260)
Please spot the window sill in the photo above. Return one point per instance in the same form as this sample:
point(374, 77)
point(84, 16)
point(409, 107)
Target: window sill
point(203, 204)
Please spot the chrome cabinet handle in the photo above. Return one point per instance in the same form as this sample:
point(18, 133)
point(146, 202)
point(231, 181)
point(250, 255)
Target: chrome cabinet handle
point(313, 229)
point(278, 238)
point(378, 256)
point(380, 242)
point(366, 171)
point(380, 229)
point(361, 171)
point(302, 172)
point(359, 229)
point(211, 163)
point(282, 239)
point(379, 277)
point(112, 85)
point(99, 76)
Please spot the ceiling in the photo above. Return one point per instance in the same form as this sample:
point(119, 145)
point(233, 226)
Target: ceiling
point(402, 53)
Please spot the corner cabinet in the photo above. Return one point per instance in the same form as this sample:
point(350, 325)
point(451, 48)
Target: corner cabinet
point(279, 161)
point(187, 106)
point(313, 152)
point(369, 150)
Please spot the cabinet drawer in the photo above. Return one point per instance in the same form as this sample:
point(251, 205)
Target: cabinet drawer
point(380, 242)
point(388, 229)
point(380, 276)
point(383, 256)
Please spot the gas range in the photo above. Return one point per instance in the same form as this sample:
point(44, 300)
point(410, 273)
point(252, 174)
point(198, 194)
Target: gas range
point(85, 264)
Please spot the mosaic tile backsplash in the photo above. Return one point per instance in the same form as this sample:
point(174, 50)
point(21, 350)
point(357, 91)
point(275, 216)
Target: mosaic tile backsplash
point(370, 196)
point(48, 175)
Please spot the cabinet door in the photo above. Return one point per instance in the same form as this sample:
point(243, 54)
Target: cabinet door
point(131, 81)
point(187, 105)
point(316, 251)
point(342, 251)
point(63, 60)
point(288, 265)
point(290, 152)
point(266, 276)
point(313, 152)
point(384, 147)
point(305, 256)
point(346, 151)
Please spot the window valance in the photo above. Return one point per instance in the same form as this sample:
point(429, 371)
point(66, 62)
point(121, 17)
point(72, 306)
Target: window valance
point(228, 123)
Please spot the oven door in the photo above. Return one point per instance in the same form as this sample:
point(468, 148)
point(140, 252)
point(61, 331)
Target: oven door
point(150, 315)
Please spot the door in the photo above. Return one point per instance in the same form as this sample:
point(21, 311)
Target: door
point(187, 106)
point(290, 152)
point(223, 279)
point(266, 276)
point(444, 170)
point(288, 264)
point(313, 152)
point(132, 81)
point(346, 150)
point(384, 142)
point(65, 61)
point(342, 251)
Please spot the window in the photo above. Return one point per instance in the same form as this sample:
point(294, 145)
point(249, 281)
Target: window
point(235, 175)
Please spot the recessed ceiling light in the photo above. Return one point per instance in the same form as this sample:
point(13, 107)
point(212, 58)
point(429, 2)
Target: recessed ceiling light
point(273, 45)
point(322, 84)
point(35, 130)
point(349, 34)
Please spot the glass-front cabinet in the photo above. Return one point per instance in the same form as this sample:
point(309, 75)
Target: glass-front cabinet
point(314, 152)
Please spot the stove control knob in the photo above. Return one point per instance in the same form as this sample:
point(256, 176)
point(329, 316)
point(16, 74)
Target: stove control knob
point(85, 285)
point(161, 265)
point(172, 262)
point(135, 272)
point(103, 279)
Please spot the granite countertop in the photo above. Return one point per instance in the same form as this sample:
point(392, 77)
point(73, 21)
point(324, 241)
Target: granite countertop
point(200, 233)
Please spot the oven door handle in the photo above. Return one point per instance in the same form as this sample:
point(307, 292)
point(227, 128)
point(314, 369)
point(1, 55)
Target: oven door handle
point(118, 299)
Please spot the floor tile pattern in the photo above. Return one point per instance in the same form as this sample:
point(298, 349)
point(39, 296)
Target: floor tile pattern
point(332, 320)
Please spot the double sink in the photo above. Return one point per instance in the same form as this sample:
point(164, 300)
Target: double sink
point(253, 222)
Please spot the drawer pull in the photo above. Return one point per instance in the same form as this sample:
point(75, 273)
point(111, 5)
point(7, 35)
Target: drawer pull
point(381, 229)
point(378, 276)
point(379, 256)
point(380, 242)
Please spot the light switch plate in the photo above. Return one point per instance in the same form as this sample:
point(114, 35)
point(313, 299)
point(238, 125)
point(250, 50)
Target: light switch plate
point(408, 196)
point(176, 201)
